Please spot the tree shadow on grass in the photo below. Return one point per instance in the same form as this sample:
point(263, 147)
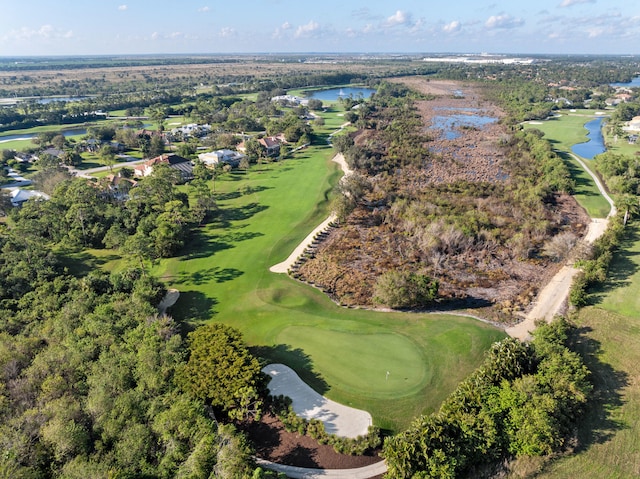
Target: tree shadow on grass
point(208, 275)
point(583, 181)
point(598, 424)
point(241, 213)
point(204, 245)
point(231, 195)
point(193, 306)
point(249, 190)
point(623, 267)
point(296, 359)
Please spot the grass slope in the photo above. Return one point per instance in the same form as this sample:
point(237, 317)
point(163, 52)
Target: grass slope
point(610, 339)
point(563, 132)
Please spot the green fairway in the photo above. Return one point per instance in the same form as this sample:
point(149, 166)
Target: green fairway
point(344, 353)
point(621, 292)
point(563, 132)
point(223, 275)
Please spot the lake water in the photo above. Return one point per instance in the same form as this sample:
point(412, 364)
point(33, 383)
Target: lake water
point(595, 145)
point(451, 123)
point(635, 83)
point(334, 93)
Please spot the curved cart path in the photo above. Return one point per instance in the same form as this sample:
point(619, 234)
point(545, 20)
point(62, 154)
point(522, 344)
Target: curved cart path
point(287, 263)
point(294, 472)
point(554, 294)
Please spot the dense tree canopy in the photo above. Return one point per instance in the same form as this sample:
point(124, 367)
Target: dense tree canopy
point(222, 371)
point(523, 401)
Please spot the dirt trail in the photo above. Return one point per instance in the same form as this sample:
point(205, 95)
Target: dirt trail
point(554, 295)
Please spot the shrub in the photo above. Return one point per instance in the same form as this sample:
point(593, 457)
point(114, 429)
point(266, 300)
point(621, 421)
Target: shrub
point(401, 289)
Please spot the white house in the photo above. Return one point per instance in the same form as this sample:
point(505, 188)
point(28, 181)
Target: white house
point(214, 158)
point(18, 196)
point(291, 100)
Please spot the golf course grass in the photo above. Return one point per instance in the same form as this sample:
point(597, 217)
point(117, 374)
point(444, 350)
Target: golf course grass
point(343, 353)
point(223, 275)
point(564, 131)
point(609, 338)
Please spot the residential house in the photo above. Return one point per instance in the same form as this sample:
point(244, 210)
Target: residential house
point(118, 187)
point(271, 144)
point(19, 196)
point(183, 165)
point(634, 124)
point(217, 157)
point(53, 152)
point(290, 100)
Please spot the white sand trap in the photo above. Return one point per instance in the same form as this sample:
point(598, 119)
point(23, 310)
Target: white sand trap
point(338, 419)
point(536, 123)
point(169, 300)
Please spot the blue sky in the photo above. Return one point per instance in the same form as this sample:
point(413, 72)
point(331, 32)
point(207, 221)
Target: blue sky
point(85, 27)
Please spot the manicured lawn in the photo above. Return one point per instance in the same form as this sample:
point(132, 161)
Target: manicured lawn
point(224, 276)
point(563, 132)
point(343, 353)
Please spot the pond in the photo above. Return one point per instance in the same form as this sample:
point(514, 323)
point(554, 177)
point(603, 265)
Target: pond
point(635, 83)
point(334, 93)
point(450, 124)
point(595, 145)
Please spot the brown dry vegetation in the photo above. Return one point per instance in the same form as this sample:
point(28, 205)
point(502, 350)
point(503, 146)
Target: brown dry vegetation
point(456, 215)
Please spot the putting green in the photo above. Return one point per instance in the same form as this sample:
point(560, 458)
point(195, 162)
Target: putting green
point(359, 362)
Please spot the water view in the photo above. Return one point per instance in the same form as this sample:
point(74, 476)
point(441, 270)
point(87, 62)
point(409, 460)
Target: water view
point(635, 83)
point(595, 145)
point(451, 123)
point(334, 93)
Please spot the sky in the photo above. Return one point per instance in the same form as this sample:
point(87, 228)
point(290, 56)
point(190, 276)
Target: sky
point(106, 27)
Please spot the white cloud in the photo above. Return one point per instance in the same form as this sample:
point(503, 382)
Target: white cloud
point(280, 31)
point(227, 32)
point(398, 18)
point(204, 9)
point(308, 30)
point(155, 36)
point(452, 27)
point(45, 32)
point(122, 8)
point(569, 3)
point(596, 32)
point(503, 21)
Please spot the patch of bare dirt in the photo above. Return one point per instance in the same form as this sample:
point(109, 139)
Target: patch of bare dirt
point(273, 443)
